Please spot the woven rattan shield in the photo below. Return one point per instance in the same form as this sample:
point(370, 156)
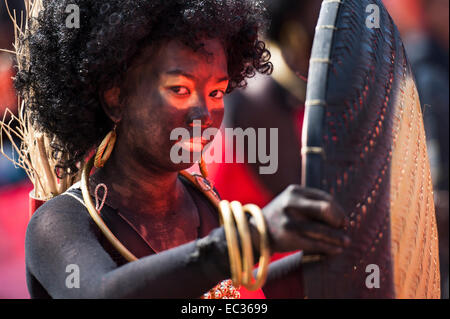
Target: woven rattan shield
point(364, 142)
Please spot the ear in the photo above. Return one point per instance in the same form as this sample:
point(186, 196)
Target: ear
point(112, 105)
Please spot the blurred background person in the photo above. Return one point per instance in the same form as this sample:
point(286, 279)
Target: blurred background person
point(272, 102)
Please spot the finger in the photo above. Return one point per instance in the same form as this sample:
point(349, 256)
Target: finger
point(292, 241)
point(321, 232)
point(317, 194)
point(311, 246)
point(318, 210)
point(313, 193)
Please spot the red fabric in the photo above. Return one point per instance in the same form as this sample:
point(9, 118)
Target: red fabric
point(34, 204)
point(13, 223)
point(8, 97)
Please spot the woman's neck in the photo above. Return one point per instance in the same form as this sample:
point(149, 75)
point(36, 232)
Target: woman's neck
point(140, 188)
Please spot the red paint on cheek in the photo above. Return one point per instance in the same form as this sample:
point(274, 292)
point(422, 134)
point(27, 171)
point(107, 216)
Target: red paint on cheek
point(217, 116)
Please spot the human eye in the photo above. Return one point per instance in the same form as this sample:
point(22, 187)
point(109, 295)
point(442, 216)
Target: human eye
point(217, 94)
point(180, 90)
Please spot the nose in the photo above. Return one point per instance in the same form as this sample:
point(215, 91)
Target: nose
point(199, 113)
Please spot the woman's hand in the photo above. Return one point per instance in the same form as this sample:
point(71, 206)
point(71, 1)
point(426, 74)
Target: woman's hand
point(305, 219)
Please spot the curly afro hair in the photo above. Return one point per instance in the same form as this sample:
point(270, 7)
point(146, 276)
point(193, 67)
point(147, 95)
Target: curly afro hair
point(68, 69)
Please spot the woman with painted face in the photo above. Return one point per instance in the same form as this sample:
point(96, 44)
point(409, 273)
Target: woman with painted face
point(134, 71)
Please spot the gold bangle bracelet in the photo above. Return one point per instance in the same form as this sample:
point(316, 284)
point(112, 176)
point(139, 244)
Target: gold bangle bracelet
point(234, 254)
point(264, 258)
point(246, 242)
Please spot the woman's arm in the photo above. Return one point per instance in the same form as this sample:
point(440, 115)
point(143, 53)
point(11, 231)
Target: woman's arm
point(62, 234)
point(285, 278)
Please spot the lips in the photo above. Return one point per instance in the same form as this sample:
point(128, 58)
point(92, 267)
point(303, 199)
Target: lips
point(202, 126)
point(195, 144)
